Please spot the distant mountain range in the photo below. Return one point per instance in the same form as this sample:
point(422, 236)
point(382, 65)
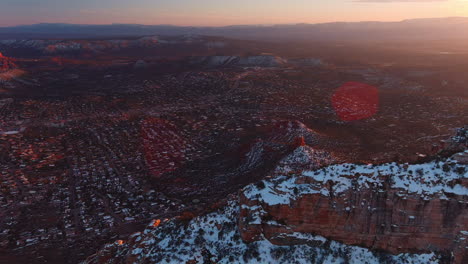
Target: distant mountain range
point(414, 29)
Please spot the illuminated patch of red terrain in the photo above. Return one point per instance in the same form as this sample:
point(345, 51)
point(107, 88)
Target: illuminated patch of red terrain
point(164, 147)
point(57, 60)
point(6, 63)
point(355, 101)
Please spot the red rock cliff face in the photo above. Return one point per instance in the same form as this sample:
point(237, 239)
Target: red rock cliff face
point(378, 218)
point(386, 221)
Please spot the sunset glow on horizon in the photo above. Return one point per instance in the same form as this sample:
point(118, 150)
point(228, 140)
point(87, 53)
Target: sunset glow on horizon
point(221, 13)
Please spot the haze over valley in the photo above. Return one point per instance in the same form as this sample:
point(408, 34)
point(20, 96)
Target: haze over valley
point(341, 142)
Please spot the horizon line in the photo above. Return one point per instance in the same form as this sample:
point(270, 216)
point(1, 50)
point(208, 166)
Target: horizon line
point(233, 25)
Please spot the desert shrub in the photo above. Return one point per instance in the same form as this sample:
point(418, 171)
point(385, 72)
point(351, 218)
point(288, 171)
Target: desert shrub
point(260, 185)
point(278, 252)
point(446, 168)
point(251, 252)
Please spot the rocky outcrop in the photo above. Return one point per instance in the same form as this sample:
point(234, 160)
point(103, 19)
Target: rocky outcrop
point(391, 207)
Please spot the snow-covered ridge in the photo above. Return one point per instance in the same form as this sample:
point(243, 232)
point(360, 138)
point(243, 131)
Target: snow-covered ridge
point(249, 61)
point(215, 238)
point(268, 61)
point(253, 61)
point(436, 178)
point(63, 46)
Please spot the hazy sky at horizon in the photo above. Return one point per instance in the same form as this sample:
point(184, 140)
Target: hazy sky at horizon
point(219, 12)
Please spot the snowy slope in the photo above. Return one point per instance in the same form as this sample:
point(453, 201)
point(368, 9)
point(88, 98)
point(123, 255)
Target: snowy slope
point(215, 237)
point(436, 178)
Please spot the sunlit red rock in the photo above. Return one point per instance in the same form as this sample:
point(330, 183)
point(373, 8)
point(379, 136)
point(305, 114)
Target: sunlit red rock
point(57, 60)
point(6, 63)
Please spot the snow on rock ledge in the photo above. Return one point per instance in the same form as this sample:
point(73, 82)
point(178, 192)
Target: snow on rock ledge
point(436, 178)
point(392, 207)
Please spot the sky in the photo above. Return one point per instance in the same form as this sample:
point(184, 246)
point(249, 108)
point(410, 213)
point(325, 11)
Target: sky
point(222, 12)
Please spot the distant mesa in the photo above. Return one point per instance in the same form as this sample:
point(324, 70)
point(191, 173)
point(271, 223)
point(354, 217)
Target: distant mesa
point(254, 61)
point(214, 61)
point(233, 61)
point(415, 29)
point(93, 46)
point(307, 62)
point(266, 61)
